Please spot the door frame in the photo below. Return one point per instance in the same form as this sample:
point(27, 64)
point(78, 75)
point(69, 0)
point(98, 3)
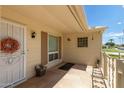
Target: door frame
point(25, 52)
point(25, 45)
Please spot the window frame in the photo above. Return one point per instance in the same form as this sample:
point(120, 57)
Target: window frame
point(57, 42)
point(82, 42)
point(53, 52)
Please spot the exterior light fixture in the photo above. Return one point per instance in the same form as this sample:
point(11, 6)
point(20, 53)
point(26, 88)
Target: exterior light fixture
point(92, 37)
point(33, 34)
point(68, 39)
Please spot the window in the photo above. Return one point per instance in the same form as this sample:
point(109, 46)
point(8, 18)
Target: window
point(53, 43)
point(53, 56)
point(82, 42)
point(53, 48)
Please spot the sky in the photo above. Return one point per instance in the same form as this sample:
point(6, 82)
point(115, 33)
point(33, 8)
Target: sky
point(111, 16)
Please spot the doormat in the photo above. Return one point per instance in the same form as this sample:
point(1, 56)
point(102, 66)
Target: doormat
point(66, 66)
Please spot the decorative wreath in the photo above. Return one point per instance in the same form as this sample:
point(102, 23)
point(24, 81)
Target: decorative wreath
point(9, 45)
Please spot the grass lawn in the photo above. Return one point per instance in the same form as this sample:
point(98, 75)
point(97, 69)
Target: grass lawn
point(113, 50)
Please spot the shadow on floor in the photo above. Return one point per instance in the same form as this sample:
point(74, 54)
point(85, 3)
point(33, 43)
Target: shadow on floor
point(97, 78)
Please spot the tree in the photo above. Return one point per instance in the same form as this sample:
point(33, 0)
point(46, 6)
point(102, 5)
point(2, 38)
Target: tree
point(110, 43)
point(111, 40)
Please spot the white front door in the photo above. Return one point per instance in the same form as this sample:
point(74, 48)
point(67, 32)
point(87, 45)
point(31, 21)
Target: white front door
point(12, 66)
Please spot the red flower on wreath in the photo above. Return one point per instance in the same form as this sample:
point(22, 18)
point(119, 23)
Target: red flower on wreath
point(9, 45)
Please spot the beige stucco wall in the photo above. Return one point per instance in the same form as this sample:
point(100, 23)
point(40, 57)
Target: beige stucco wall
point(33, 45)
point(0, 10)
point(84, 55)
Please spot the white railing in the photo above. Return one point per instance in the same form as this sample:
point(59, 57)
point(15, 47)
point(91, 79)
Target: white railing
point(119, 55)
point(113, 70)
point(120, 73)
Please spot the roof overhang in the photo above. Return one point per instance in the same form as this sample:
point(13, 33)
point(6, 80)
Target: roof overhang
point(62, 18)
point(79, 15)
point(100, 29)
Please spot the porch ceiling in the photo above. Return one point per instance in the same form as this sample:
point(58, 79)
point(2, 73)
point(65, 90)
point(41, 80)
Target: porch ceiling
point(58, 17)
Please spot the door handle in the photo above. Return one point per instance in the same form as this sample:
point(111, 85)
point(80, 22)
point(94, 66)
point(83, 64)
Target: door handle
point(10, 60)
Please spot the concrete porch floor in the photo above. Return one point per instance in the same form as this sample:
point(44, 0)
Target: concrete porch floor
point(79, 76)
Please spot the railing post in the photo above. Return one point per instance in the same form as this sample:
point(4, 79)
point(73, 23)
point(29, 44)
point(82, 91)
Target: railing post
point(117, 74)
point(119, 55)
point(105, 65)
